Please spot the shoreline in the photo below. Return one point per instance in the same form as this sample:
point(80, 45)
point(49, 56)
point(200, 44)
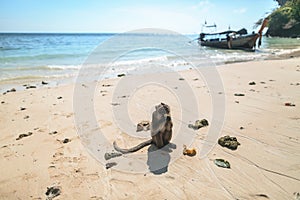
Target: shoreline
point(55, 82)
point(52, 154)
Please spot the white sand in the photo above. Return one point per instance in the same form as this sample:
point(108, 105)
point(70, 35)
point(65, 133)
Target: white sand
point(266, 164)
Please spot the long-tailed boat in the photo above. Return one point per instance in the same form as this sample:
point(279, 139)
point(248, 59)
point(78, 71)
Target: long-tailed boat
point(232, 39)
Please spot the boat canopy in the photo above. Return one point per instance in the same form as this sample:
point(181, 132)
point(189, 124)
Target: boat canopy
point(243, 31)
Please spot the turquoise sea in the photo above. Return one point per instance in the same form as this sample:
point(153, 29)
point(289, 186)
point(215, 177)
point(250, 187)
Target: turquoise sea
point(29, 57)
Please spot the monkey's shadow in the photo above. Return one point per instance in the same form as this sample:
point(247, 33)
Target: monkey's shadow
point(159, 159)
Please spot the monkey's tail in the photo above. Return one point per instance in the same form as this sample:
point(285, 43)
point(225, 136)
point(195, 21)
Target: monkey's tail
point(133, 149)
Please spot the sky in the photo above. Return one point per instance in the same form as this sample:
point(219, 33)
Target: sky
point(116, 16)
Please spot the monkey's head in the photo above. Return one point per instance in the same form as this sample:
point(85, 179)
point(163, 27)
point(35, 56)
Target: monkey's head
point(163, 109)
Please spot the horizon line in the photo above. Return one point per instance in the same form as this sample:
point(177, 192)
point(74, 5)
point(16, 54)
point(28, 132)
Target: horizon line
point(54, 32)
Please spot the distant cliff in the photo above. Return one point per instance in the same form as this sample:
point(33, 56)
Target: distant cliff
point(285, 21)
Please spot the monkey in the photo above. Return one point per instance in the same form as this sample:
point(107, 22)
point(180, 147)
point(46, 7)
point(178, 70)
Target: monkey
point(161, 130)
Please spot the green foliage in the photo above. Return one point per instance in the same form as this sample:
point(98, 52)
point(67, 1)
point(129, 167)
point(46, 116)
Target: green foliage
point(294, 6)
point(285, 17)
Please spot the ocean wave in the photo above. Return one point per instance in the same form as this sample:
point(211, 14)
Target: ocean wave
point(140, 61)
point(39, 57)
point(17, 78)
point(62, 67)
point(9, 48)
point(35, 77)
point(42, 68)
point(282, 51)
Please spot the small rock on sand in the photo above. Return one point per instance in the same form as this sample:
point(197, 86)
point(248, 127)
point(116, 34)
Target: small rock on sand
point(110, 165)
point(22, 108)
point(297, 195)
point(53, 192)
point(189, 152)
point(252, 83)
point(262, 195)
point(108, 156)
point(11, 90)
point(66, 140)
point(229, 142)
point(289, 104)
point(30, 86)
point(222, 163)
point(120, 75)
point(44, 83)
point(199, 124)
point(23, 135)
point(59, 97)
point(143, 126)
point(239, 94)
point(53, 133)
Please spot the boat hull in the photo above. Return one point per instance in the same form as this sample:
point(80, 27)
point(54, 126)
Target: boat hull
point(246, 42)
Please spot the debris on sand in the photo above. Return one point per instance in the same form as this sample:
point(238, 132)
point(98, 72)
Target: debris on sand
point(30, 86)
point(53, 192)
point(222, 163)
point(239, 94)
point(66, 140)
point(24, 135)
point(110, 165)
point(108, 156)
point(289, 104)
point(53, 133)
point(297, 195)
point(189, 152)
point(198, 124)
point(11, 90)
point(229, 142)
point(143, 126)
point(262, 195)
point(120, 75)
point(295, 84)
point(22, 108)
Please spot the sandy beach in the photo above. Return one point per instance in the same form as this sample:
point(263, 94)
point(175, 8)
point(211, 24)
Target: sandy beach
point(265, 121)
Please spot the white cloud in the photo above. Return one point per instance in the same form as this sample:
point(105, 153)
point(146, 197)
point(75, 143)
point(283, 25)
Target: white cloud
point(203, 3)
point(176, 19)
point(240, 10)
